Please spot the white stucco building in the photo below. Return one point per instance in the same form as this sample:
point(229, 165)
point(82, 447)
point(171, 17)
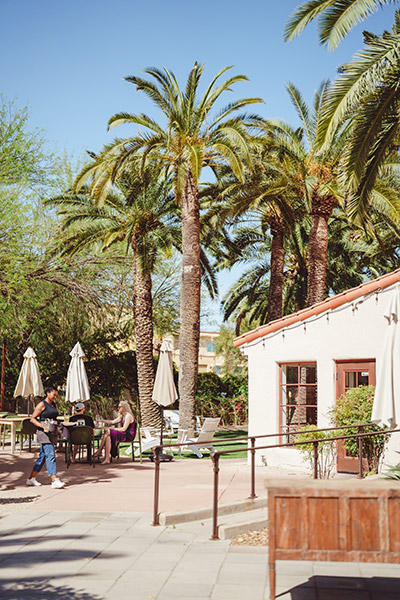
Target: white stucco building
point(300, 364)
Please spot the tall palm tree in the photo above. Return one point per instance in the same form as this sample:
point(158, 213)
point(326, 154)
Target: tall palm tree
point(191, 139)
point(367, 94)
point(144, 216)
point(335, 18)
point(314, 172)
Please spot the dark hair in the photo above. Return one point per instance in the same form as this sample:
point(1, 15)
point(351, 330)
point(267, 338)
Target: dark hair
point(49, 389)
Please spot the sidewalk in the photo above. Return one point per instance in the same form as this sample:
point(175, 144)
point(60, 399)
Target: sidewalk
point(107, 556)
point(94, 541)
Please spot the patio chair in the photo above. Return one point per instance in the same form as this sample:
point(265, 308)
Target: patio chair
point(28, 430)
point(150, 437)
point(81, 436)
point(131, 442)
point(203, 440)
point(171, 418)
point(9, 415)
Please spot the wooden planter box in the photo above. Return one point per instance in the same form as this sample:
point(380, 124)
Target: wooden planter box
point(355, 521)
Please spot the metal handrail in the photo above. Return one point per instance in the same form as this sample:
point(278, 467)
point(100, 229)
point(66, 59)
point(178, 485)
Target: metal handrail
point(158, 450)
point(252, 449)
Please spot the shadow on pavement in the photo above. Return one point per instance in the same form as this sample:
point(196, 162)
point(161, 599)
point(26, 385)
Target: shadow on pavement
point(321, 587)
point(35, 589)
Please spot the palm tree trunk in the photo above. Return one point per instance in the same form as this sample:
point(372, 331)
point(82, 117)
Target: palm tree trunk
point(277, 267)
point(143, 314)
point(190, 304)
point(318, 248)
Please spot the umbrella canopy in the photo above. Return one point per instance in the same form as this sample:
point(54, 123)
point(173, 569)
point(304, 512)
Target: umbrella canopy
point(386, 408)
point(77, 382)
point(164, 391)
point(29, 381)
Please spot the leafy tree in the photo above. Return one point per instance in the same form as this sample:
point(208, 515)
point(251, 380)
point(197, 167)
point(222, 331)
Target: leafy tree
point(335, 18)
point(234, 362)
point(143, 215)
point(190, 141)
point(367, 94)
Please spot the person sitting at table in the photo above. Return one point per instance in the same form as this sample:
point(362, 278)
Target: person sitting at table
point(83, 420)
point(124, 433)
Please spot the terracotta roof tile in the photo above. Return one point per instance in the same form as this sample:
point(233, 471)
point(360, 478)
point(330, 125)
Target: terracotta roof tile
point(316, 309)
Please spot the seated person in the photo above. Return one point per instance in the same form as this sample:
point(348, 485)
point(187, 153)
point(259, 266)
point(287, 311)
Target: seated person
point(124, 433)
point(84, 420)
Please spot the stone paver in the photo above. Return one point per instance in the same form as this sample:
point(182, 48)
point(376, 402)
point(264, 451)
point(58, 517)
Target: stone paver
point(107, 556)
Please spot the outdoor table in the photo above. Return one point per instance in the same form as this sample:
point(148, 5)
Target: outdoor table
point(13, 421)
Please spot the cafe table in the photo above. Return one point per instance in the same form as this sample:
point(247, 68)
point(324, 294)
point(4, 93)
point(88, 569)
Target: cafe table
point(13, 422)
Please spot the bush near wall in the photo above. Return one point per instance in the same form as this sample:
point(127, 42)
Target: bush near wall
point(225, 397)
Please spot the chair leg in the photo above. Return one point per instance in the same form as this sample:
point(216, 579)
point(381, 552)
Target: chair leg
point(133, 454)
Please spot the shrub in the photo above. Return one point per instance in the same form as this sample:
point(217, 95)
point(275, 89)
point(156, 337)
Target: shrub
point(355, 407)
point(326, 450)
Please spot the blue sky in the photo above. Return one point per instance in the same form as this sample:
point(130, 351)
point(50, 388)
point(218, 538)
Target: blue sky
point(67, 59)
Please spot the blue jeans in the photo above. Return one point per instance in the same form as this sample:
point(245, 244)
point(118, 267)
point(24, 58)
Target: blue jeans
point(47, 453)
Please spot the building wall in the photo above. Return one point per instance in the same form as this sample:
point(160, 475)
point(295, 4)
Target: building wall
point(354, 331)
point(209, 362)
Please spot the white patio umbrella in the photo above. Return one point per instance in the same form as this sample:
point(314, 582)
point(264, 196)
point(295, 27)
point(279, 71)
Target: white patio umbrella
point(164, 391)
point(29, 381)
point(77, 389)
point(386, 408)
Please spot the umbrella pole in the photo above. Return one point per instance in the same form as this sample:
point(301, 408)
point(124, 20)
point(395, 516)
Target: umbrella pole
point(162, 425)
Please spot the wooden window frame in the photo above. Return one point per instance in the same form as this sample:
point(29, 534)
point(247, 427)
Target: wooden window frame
point(284, 434)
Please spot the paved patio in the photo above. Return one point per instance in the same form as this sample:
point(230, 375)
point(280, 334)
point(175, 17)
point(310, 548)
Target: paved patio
point(94, 541)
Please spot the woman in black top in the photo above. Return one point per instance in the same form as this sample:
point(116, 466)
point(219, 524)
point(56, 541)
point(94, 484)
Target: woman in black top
point(45, 418)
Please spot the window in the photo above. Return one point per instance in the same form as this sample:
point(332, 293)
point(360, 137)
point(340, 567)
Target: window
point(211, 347)
point(297, 397)
point(218, 370)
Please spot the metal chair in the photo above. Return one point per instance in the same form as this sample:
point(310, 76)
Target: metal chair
point(81, 436)
point(28, 430)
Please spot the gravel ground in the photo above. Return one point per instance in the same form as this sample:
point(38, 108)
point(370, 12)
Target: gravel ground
point(252, 538)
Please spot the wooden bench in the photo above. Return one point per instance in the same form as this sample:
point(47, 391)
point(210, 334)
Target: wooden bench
point(354, 521)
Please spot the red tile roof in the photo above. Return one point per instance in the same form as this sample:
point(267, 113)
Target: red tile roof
point(316, 309)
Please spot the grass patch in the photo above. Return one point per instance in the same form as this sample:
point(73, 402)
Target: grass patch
point(221, 441)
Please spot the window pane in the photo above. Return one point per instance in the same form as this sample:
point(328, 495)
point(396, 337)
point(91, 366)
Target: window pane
point(289, 394)
point(363, 378)
point(311, 373)
point(308, 415)
point(308, 395)
point(290, 374)
point(351, 380)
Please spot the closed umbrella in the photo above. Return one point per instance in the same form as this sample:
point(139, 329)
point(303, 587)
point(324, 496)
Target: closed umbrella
point(386, 408)
point(77, 388)
point(29, 381)
point(164, 391)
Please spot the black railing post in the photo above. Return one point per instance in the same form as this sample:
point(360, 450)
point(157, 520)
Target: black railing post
point(157, 453)
point(215, 459)
point(360, 453)
point(315, 444)
point(253, 469)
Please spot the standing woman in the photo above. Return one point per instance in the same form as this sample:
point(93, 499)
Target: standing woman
point(124, 433)
point(45, 418)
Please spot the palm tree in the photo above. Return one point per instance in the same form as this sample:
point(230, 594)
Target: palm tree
point(144, 216)
point(191, 140)
point(367, 93)
point(335, 18)
point(314, 172)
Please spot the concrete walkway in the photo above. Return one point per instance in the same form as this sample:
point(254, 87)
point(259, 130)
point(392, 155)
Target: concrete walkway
point(94, 541)
point(108, 556)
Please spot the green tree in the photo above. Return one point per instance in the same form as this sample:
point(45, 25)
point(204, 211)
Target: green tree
point(234, 362)
point(143, 215)
point(367, 95)
point(335, 18)
point(190, 140)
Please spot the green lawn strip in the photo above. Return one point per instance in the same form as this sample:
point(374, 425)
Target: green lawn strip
point(221, 442)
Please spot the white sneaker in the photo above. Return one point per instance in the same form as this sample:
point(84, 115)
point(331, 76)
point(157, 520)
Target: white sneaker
point(57, 484)
point(33, 481)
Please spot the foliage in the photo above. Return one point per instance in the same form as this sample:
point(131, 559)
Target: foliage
point(355, 407)
point(335, 18)
point(393, 473)
point(225, 397)
point(326, 450)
